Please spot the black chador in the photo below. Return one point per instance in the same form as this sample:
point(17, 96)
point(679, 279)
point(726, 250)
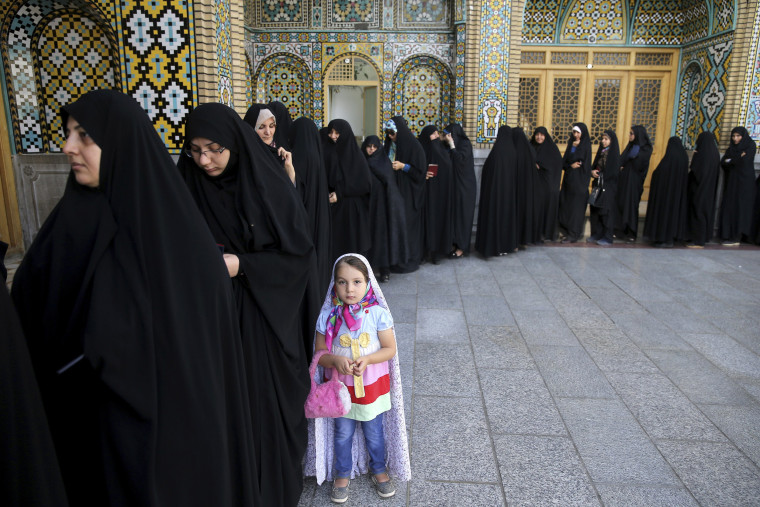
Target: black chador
point(386, 209)
point(739, 189)
point(465, 188)
point(634, 162)
point(497, 210)
point(126, 306)
point(546, 191)
point(311, 181)
point(403, 148)
point(348, 176)
point(667, 208)
point(602, 213)
point(255, 213)
point(573, 197)
point(525, 175)
point(703, 178)
point(438, 188)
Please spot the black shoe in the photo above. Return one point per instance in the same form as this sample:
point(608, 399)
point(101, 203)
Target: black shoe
point(385, 277)
point(569, 240)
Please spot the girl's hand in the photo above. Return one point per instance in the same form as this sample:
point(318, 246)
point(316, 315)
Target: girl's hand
point(360, 365)
point(343, 365)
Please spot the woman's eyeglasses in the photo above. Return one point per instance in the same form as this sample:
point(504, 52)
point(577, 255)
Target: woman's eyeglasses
point(195, 153)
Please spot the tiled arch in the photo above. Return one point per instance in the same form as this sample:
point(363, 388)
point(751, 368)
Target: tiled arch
point(422, 92)
point(286, 78)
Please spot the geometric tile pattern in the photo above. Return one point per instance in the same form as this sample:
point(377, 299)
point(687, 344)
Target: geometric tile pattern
point(540, 21)
point(696, 21)
point(565, 104)
point(459, 74)
point(657, 22)
point(155, 54)
point(283, 14)
point(285, 78)
point(460, 11)
point(72, 56)
point(346, 13)
point(443, 52)
point(495, 30)
point(594, 21)
point(605, 107)
point(646, 101)
point(527, 115)
point(224, 51)
point(750, 106)
point(690, 115)
point(723, 15)
point(713, 57)
point(423, 14)
point(422, 93)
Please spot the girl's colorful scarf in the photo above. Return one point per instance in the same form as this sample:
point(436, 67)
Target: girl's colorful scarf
point(351, 314)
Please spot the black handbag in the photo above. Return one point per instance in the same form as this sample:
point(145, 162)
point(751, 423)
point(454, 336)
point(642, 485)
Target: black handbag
point(596, 192)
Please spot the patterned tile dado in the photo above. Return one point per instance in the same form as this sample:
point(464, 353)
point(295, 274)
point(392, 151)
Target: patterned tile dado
point(423, 14)
point(750, 105)
point(495, 31)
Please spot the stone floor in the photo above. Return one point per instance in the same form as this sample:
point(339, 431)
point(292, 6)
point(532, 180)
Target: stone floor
point(579, 376)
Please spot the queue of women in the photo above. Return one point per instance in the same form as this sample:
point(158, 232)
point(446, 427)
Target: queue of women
point(165, 314)
point(531, 193)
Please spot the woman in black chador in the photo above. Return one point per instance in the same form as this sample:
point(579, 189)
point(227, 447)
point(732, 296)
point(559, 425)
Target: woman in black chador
point(526, 176)
point(386, 211)
point(739, 190)
point(465, 189)
point(348, 178)
point(546, 192)
point(604, 174)
point(438, 189)
point(573, 196)
point(128, 313)
point(703, 178)
point(311, 181)
point(257, 219)
point(634, 162)
point(667, 209)
point(497, 211)
point(408, 161)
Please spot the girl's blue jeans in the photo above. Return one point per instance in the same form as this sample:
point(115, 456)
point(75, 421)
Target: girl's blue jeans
point(373, 437)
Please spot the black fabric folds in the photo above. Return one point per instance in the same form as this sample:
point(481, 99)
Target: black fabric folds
point(283, 134)
point(738, 190)
point(255, 212)
point(526, 175)
point(609, 170)
point(311, 180)
point(703, 178)
point(127, 310)
point(386, 209)
point(573, 196)
point(634, 162)
point(497, 210)
point(465, 188)
point(29, 473)
point(411, 185)
point(437, 219)
point(546, 194)
point(667, 208)
point(348, 176)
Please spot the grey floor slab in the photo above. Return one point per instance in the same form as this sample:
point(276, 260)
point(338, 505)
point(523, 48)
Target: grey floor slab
point(570, 372)
point(544, 327)
point(615, 495)
point(726, 353)
point(612, 445)
point(450, 441)
point(445, 370)
point(542, 471)
point(441, 297)
point(500, 347)
point(454, 494)
point(661, 409)
point(716, 474)
point(487, 311)
point(441, 326)
point(648, 332)
point(613, 351)
point(518, 401)
point(740, 424)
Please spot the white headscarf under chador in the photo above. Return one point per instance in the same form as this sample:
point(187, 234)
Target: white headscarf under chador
point(263, 116)
point(321, 449)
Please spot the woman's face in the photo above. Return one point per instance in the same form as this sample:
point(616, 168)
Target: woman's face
point(736, 137)
point(266, 130)
point(333, 135)
point(577, 135)
point(539, 137)
point(434, 136)
point(83, 153)
point(631, 136)
point(605, 141)
point(370, 149)
point(206, 155)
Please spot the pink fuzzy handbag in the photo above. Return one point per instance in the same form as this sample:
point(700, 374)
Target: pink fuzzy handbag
point(330, 399)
